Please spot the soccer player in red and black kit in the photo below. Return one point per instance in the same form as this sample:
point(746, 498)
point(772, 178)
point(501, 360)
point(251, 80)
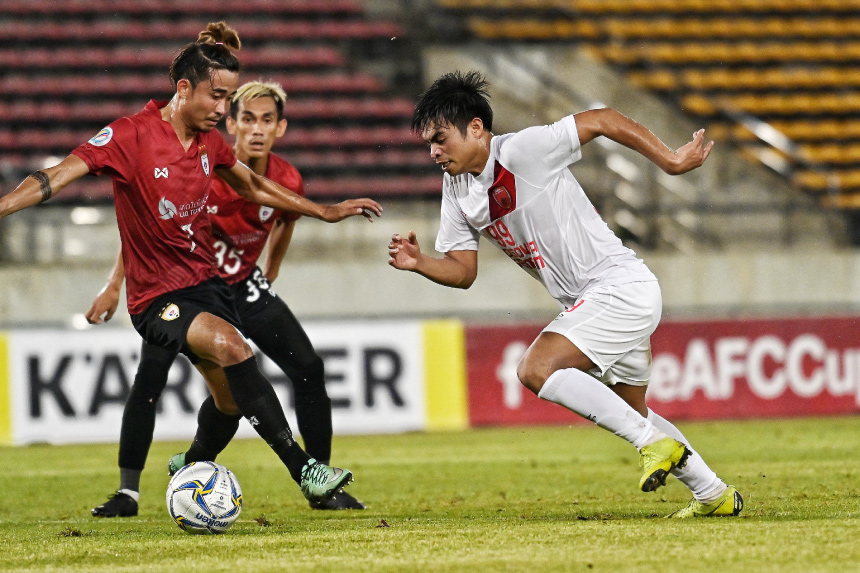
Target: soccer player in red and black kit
point(241, 230)
point(161, 161)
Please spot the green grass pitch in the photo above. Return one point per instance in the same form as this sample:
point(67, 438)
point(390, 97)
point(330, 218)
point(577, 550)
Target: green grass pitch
point(515, 499)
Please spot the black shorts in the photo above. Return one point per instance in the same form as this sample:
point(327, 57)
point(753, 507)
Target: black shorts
point(255, 299)
point(166, 320)
point(272, 326)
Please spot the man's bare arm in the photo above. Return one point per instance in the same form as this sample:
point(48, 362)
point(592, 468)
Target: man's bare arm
point(279, 242)
point(617, 127)
point(456, 269)
point(264, 191)
point(43, 184)
point(105, 304)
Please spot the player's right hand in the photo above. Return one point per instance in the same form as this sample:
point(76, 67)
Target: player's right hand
point(350, 208)
point(691, 155)
point(404, 253)
point(104, 306)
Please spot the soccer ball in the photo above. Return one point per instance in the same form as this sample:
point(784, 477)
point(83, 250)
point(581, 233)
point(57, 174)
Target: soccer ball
point(204, 497)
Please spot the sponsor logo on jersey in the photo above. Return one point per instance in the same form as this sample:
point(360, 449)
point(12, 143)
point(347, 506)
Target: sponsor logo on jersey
point(166, 208)
point(213, 210)
point(265, 213)
point(170, 312)
point(204, 159)
point(160, 172)
point(102, 137)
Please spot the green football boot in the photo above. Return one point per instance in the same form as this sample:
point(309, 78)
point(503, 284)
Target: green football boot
point(320, 481)
point(176, 463)
point(659, 459)
point(727, 505)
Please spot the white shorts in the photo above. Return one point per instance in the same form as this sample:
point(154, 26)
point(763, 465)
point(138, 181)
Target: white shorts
point(612, 325)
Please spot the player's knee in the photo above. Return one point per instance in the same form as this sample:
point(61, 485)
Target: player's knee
point(231, 349)
point(149, 381)
point(230, 408)
point(531, 376)
point(143, 396)
point(309, 378)
point(226, 405)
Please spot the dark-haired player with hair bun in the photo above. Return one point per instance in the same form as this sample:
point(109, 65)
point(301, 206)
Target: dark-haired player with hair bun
point(517, 191)
point(162, 161)
point(241, 231)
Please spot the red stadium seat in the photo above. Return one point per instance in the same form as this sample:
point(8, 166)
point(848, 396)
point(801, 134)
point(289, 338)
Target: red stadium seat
point(71, 67)
point(112, 30)
point(355, 159)
point(426, 185)
point(789, 63)
point(138, 7)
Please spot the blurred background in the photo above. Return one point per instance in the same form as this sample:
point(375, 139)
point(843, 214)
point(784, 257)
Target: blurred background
point(769, 226)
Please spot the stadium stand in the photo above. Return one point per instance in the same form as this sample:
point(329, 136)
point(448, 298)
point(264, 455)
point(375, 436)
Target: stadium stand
point(74, 66)
point(313, 8)
point(789, 64)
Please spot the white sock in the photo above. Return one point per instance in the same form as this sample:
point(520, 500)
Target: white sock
point(135, 495)
point(696, 474)
point(591, 399)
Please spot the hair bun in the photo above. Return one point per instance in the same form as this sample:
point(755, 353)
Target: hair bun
point(220, 33)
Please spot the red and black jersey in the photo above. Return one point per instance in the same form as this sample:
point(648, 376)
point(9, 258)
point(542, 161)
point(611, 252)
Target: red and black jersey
point(241, 227)
point(160, 191)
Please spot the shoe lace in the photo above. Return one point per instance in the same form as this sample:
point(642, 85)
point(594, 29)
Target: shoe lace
point(316, 473)
point(645, 458)
point(648, 456)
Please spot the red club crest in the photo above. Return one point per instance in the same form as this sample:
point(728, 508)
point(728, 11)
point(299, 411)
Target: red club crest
point(502, 194)
point(503, 198)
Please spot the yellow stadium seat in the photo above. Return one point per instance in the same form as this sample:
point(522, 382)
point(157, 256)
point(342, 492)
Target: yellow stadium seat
point(791, 63)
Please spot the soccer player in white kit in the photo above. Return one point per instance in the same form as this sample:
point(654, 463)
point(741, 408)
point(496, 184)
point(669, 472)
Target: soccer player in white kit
point(516, 190)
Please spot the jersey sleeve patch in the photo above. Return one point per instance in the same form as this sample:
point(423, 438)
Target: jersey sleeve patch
point(102, 138)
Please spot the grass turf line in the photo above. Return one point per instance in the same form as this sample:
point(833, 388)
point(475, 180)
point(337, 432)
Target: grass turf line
point(516, 499)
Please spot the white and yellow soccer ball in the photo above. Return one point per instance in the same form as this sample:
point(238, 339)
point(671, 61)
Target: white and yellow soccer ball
point(204, 497)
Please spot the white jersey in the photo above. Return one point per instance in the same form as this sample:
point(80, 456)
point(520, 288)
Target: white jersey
point(528, 204)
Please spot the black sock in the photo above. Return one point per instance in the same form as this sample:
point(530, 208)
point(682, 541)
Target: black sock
point(215, 429)
point(285, 342)
point(138, 417)
point(129, 479)
point(313, 414)
point(135, 435)
point(259, 403)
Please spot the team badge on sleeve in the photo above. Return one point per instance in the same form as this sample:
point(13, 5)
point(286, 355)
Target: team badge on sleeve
point(170, 312)
point(102, 137)
point(265, 213)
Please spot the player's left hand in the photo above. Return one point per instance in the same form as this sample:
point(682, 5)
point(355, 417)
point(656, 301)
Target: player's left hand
point(404, 252)
point(104, 306)
point(367, 208)
point(691, 155)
